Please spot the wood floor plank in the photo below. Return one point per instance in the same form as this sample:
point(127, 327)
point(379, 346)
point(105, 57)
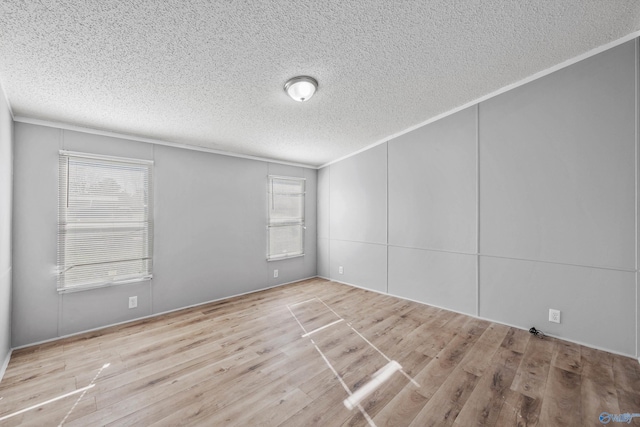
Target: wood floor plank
point(400, 338)
point(326, 410)
point(321, 381)
point(402, 409)
point(516, 340)
point(485, 403)
point(313, 314)
point(189, 403)
point(278, 410)
point(126, 404)
point(410, 401)
point(626, 374)
point(597, 365)
point(24, 373)
point(479, 358)
point(519, 410)
point(244, 361)
point(274, 382)
point(280, 380)
point(442, 330)
point(445, 405)
point(32, 393)
point(445, 362)
point(63, 412)
point(114, 390)
point(567, 356)
point(382, 396)
point(531, 376)
point(507, 358)
point(629, 402)
point(562, 404)
point(597, 398)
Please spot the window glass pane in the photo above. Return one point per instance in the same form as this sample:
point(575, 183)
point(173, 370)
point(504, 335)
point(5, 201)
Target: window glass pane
point(287, 185)
point(286, 208)
point(285, 241)
point(100, 273)
point(105, 226)
point(104, 192)
point(286, 217)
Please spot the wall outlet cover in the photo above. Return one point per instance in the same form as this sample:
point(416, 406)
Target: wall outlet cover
point(133, 302)
point(554, 315)
point(275, 273)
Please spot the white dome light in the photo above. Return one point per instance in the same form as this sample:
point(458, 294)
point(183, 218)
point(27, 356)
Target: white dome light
point(301, 88)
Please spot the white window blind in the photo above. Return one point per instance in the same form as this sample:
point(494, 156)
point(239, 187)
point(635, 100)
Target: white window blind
point(286, 217)
point(105, 220)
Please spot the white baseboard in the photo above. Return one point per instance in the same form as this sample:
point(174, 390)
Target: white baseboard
point(489, 320)
point(157, 314)
point(3, 368)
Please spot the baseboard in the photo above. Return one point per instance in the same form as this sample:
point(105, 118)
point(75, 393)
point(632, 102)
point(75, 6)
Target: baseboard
point(6, 362)
point(157, 314)
point(489, 320)
point(3, 368)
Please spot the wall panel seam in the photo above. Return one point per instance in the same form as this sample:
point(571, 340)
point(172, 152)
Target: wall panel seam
point(637, 80)
point(61, 146)
point(434, 250)
point(597, 267)
point(387, 221)
point(477, 209)
point(358, 241)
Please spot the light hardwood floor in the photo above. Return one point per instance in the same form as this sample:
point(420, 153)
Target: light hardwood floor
point(244, 361)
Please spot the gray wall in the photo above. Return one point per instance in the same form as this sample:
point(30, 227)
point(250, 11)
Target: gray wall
point(524, 202)
point(558, 199)
point(358, 219)
point(323, 222)
point(6, 198)
point(209, 233)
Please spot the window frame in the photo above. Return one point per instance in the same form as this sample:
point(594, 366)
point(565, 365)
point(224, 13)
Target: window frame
point(63, 198)
point(301, 222)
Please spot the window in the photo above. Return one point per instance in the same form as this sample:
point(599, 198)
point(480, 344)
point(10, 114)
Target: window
point(105, 221)
point(286, 217)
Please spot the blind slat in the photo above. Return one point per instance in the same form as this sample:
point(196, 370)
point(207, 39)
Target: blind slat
point(105, 225)
point(286, 217)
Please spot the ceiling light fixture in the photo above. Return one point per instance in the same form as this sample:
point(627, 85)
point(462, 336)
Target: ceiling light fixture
point(301, 88)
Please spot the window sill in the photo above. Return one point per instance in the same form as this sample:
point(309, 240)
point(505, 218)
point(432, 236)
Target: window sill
point(284, 257)
point(81, 288)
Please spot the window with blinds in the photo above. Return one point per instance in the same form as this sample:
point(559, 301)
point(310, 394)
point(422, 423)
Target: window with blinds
point(286, 217)
point(105, 220)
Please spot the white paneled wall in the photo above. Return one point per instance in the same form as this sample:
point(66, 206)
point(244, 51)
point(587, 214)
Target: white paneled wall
point(323, 222)
point(209, 233)
point(524, 202)
point(558, 161)
point(358, 197)
point(6, 209)
point(432, 186)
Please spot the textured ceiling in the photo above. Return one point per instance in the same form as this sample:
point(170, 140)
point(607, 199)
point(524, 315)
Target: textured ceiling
point(211, 74)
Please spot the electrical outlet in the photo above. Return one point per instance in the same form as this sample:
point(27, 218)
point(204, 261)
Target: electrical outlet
point(275, 273)
point(133, 302)
point(340, 270)
point(554, 315)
